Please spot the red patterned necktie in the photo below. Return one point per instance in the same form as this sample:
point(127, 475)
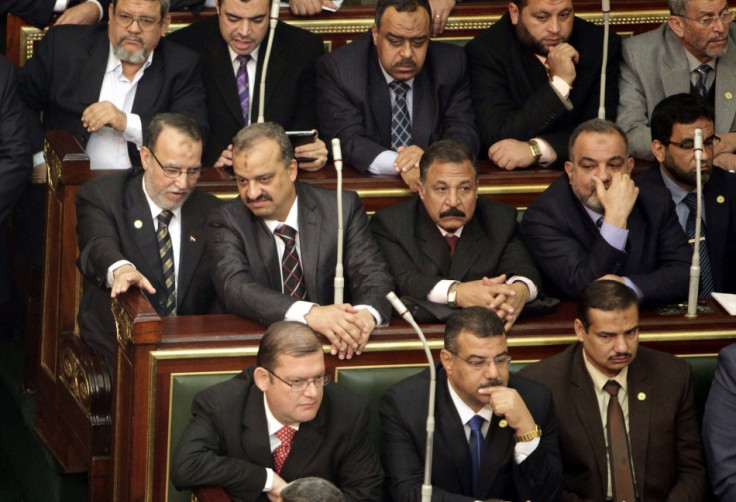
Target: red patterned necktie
point(286, 435)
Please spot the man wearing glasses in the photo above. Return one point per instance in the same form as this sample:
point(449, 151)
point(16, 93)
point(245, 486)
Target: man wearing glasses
point(146, 230)
point(674, 121)
point(278, 421)
point(695, 52)
point(495, 433)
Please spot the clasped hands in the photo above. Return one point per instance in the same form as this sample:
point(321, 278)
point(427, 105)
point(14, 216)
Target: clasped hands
point(346, 327)
point(507, 300)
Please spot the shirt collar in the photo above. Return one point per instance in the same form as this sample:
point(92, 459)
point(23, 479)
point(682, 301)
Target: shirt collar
point(445, 233)
point(390, 79)
point(465, 411)
point(599, 379)
point(292, 219)
point(234, 55)
point(678, 193)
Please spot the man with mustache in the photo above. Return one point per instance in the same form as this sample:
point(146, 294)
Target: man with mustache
point(693, 52)
point(674, 121)
point(392, 92)
point(449, 249)
point(495, 433)
point(146, 230)
point(617, 400)
point(535, 75)
point(594, 222)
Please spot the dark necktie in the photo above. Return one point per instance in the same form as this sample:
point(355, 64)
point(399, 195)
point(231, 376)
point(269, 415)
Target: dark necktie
point(706, 273)
point(476, 444)
point(400, 121)
point(166, 251)
point(286, 435)
point(451, 241)
point(618, 448)
point(291, 269)
point(701, 85)
point(241, 78)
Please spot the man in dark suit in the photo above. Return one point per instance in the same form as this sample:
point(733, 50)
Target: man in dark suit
point(391, 93)
point(653, 391)
point(104, 84)
point(276, 422)
point(120, 227)
point(274, 249)
point(673, 125)
point(495, 434)
point(239, 30)
point(447, 249)
point(594, 222)
point(40, 12)
point(535, 75)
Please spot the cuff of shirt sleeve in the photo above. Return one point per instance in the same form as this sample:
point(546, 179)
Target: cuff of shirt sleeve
point(548, 153)
point(112, 268)
point(383, 164)
point(298, 310)
point(438, 294)
point(99, 7)
point(630, 284)
point(373, 312)
point(269, 480)
point(533, 291)
point(614, 235)
point(558, 83)
point(134, 129)
point(523, 449)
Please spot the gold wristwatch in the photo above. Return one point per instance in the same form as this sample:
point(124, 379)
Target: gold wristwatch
point(523, 438)
point(452, 295)
point(536, 151)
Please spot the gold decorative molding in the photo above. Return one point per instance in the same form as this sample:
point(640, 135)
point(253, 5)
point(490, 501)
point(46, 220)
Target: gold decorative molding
point(75, 378)
point(54, 166)
point(123, 324)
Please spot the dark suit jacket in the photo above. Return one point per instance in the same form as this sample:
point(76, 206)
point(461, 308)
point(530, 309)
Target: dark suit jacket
point(403, 412)
point(354, 105)
point(418, 256)
point(65, 76)
point(226, 443)
point(570, 252)
point(720, 216)
point(511, 92)
point(246, 269)
point(39, 12)
point(665, 443)
point(718, 438)
point(108, 209)
point(290, 89)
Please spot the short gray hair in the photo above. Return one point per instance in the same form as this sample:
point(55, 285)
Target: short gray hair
point(311, 489)
point(249, 136)
point(677, 7)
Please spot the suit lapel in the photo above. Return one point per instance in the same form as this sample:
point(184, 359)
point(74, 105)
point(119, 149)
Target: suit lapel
point(191, 247)
point(468, 249)
point(380, 100)
point(266, 243)
point(676, 70)
point(220, 67)
point(450, 438)
point(150, 84)
point(138, 216)
point(637, 230)
point(639, 393)
point(717, 216)
point(726, 86)
point(310, 240)
point(93, 72)
point(497, 448)
point(431, 242)
point(424, 109)
point(254, 438)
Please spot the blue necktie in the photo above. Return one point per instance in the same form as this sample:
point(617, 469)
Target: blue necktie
point(476, 444)
point(706, 272)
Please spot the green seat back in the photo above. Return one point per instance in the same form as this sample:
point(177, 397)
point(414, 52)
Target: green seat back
point(704, 369)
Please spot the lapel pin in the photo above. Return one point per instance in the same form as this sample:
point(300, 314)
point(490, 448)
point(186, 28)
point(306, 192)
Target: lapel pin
point(720, 199)
point(138, 224)
point(503, 423)
point(641, 396)
point(728, 95)
point(192, 238)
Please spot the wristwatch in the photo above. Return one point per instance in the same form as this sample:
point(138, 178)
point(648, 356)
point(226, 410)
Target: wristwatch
point(536, 151)
point(452, 295)
point(523, 438)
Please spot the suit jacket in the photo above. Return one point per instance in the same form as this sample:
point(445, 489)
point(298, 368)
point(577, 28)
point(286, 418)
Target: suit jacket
point(227, 444)
point(39, 12)
point(571, 253)
point(511, 92)
point(290, 78)
point(718, 437)
point(663, 427)
point(246, 269)
point(418, 256)
point(654, 66)
point(719, 196)
point(353, 101)
point(403, 411)
point(108, 211)
point(65, 76)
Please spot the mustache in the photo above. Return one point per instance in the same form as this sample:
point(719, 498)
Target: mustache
point(495, 382)
point(135, 38)
point(621, 354)
point(453, 211)
point(406, 62)
point(261, 198)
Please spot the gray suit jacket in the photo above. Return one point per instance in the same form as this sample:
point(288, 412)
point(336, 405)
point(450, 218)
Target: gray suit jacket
point(654, 66)
point(246, 270)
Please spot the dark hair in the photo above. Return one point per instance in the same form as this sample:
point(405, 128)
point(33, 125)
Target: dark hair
point(164, 5)
point(520, 3)
point(678, 109)
point(401, 6)
point(286, 337)
point(249, 136)
point(446, 150)
point(480, 321)
point(595, 125)
point(177, 121)
point(604, 295)
point(311, 489)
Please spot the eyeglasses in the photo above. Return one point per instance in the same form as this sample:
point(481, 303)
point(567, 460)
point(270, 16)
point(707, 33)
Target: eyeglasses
point(124, 20)
point(301, 384)
point(710, 21)
point(175, 172)
point(689, 144)
point(478, 364)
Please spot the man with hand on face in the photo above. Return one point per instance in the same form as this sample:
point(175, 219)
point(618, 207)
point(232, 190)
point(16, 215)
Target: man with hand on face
point(232, 46)
point(674, 121)
point(449, 249)
point(146, 230)
point(621, 406)
point(495, 433)
point(594, 222)
point(535, 76)
point(276, 422)
point(273, 250)
point(392, 92)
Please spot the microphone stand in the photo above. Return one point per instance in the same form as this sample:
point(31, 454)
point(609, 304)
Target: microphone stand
point(339, 276)
point(271, 31)
point(404, 312)
point(606, 9)
point(692, 299)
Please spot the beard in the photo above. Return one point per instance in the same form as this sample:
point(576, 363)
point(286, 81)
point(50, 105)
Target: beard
point(590, 199)
point(159, 198)
point(135, 57)
point(686, 177)
point(527, 39)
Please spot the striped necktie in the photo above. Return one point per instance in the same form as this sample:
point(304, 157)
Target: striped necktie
point(241, 78)
point(166, 252)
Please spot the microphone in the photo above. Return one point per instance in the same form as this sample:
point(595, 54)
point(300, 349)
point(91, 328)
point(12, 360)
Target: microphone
point(339, 275)
point(606, 10)
point(692, 298)
point(272, 28)
point(404, 312)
